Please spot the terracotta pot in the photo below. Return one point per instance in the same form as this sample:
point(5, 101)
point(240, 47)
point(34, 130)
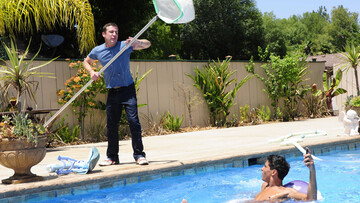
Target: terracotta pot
point(20, 156)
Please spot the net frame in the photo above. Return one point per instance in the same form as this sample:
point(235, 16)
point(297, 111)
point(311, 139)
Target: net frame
point(175, 11)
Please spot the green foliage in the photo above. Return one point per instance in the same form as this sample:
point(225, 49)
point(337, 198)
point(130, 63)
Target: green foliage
point(244, 117)
point(250, 115)
point(355, 101)
point(96, 131)
point(313, 33)
point(348, 99)
point(64, 133)
point(21, 127)
point(46, 15)
point(138, 80)
point(344, 27)
point(19, 73)
point(214, 81)
point(221, 28)
point(314, 104)
point(351, 59)
point(330, 88)
point(3, 54)
point(164, 40)
point(274, 35)
point(130, 16)
point(283, 78)
point(264, 113)
point(279, 113)
point(169, 122)
point(86, 100)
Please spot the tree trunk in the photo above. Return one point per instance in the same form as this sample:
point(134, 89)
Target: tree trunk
point(357, 81)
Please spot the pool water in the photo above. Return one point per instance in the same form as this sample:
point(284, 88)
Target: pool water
point(338, 177)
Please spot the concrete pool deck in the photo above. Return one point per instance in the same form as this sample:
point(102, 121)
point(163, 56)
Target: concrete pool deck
point(179, 151)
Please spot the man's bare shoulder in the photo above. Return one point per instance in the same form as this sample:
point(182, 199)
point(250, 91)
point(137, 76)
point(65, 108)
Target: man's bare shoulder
point(278, 193)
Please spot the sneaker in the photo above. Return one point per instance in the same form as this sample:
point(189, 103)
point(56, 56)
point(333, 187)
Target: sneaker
point(142, 161)
point(108, 162)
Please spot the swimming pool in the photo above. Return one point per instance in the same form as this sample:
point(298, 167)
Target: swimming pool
point(338, 178)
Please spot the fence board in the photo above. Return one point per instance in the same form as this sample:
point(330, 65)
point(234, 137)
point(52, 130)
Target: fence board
point(167, 88)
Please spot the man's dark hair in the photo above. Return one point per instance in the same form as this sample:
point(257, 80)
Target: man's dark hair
point(107, 25)
point(280, 164)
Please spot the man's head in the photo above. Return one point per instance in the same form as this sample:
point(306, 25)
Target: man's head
point(275, 165)
point(110, 34)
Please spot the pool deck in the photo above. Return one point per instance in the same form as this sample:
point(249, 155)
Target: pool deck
point(180, 151)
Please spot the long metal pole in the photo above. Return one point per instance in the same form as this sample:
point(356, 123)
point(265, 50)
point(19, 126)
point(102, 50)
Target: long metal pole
point(102, 70)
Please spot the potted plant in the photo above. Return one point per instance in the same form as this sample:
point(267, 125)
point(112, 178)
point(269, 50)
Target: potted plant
point(353, 103)
point(22, 141)
point(22, 145)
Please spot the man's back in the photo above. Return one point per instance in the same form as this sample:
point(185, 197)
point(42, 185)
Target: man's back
point(278, 193)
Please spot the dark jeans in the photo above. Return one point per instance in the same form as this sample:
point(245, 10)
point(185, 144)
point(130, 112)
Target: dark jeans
point(117, 99)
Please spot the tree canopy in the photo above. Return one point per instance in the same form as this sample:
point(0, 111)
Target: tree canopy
point(21, 17)
point(221, 28)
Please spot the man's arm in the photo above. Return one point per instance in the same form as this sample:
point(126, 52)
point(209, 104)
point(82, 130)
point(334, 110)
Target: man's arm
point(312, 189)
point(139, 43)
point(87, 65)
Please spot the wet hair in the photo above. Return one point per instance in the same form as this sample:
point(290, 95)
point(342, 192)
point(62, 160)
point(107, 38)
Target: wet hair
point(107, 25)
point(280, 164)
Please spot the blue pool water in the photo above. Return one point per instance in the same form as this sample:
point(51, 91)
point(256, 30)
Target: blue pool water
point(338, 178)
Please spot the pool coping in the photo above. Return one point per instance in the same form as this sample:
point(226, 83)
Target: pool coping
point(66, 187)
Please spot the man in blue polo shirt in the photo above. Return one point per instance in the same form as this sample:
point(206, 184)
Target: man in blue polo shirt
point(122, 92)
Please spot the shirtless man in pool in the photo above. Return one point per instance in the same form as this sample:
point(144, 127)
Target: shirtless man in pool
point(273, 173)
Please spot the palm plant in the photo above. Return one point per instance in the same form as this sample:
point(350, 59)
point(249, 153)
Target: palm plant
point(28, 16)
point(17, 73)
point(351, 60)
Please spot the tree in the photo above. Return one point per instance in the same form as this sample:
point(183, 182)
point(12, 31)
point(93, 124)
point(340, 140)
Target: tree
point(130, 16)
point(344, 27)
point(352, 60)
point(29, 16)
point(221, 28)
point(164, 41)
point(274, 35)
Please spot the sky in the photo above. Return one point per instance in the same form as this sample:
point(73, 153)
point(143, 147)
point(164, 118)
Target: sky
point(287, 8)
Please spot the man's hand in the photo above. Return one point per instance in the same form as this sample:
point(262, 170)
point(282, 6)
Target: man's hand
point(308, 160)
point(312, 188)
point(94, 75)
point(139, 43)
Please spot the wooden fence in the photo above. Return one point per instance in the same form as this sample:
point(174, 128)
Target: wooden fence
point(348, 83)
point(165, 89)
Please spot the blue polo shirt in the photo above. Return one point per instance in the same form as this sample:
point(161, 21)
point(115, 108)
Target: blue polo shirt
point(118, 73)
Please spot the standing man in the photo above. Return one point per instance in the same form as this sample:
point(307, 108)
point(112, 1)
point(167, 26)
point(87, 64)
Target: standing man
point(122, 92)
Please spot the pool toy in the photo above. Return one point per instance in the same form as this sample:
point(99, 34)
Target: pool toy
point(294, 138)
point(70, 165)
point(298, 136)
point(298, 185)
point(302, 187)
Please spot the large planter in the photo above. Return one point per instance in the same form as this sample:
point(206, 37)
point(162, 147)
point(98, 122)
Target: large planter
point(20, 156)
